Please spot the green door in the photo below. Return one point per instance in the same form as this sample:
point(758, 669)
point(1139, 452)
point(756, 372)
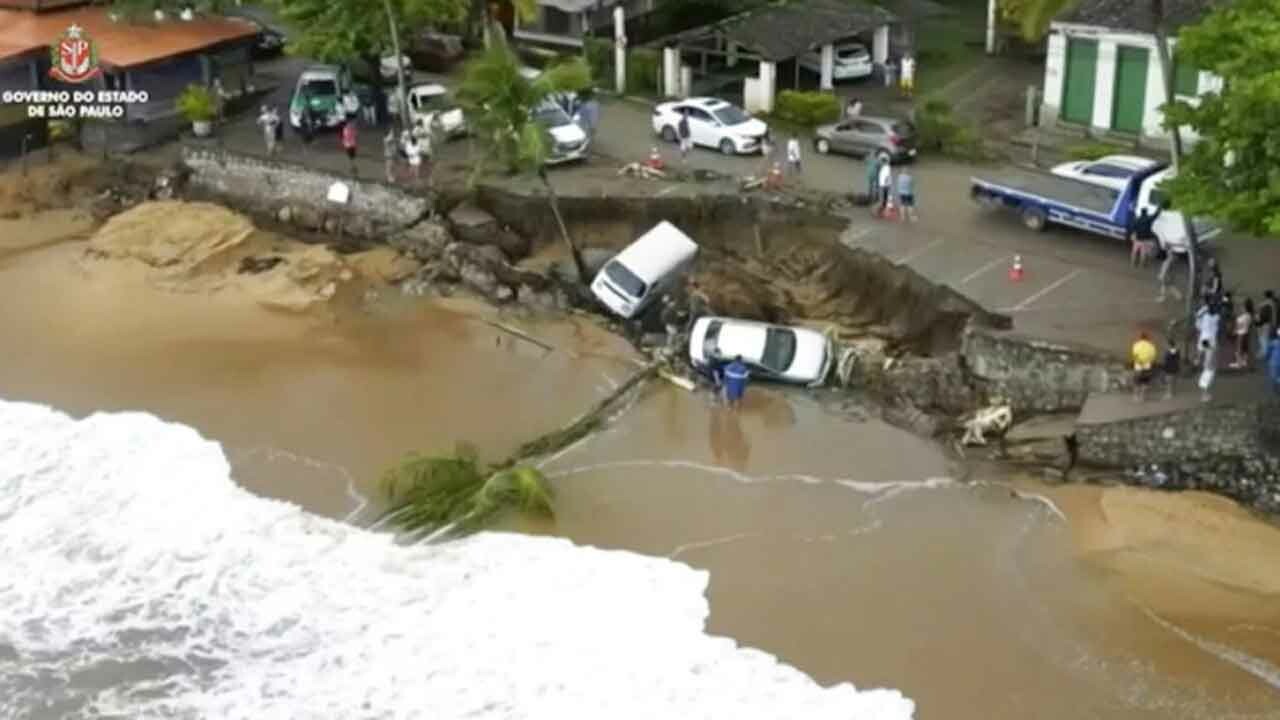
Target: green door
point(1078, 84)
point(1131, 89)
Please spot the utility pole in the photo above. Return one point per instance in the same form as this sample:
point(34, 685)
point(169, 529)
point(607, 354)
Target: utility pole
point(400, 85)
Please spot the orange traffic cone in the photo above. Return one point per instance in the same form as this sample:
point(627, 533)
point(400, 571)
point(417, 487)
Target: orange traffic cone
point(1015, 271)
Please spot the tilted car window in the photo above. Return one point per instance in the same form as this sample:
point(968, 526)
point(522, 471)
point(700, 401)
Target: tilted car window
point(626, 280)
point(779, 350)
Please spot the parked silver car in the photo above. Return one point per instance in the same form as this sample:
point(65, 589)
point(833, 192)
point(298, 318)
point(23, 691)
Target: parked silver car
point(886, 137)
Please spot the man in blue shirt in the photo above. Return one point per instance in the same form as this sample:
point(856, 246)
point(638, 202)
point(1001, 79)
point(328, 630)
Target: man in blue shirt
point(735, 381)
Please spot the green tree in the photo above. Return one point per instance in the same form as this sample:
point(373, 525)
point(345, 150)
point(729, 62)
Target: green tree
point(1036, 22)
point(1233, 172)
point(501, 103)
point(339, 31)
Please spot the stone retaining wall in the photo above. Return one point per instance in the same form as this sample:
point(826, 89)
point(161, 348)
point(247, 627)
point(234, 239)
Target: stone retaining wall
point(1040, 376)
point(298, 195)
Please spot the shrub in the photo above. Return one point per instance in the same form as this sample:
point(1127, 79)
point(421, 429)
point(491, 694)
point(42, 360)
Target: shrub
point(196, 104)
point(1089, 150)
point(642, 71)
point(938, 130)
point(807, 109)
point(599, 54)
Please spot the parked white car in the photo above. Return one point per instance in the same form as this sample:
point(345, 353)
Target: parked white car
point(851, 61)
point(795, 355)
point(713, 123)
point(568, 141)
point(1112, 171)
point(645, 269)
point(426, 102)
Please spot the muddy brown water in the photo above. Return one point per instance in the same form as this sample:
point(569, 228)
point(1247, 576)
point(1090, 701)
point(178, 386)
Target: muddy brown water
point(832, 540)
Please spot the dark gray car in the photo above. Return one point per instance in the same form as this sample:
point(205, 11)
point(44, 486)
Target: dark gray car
point(886, 137)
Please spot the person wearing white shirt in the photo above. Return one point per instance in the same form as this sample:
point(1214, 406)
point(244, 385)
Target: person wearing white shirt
point(908, 80)
point(884, 181)
point(793, 155)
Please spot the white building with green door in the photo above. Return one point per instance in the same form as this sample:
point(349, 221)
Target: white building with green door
point(1103, 72)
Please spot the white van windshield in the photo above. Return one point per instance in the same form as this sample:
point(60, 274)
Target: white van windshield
point(624, 279)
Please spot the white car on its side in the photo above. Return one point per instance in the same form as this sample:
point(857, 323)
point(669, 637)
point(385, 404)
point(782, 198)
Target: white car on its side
point(795, 355)
point(713, 123)
point(851, 61)
point(1112, 171)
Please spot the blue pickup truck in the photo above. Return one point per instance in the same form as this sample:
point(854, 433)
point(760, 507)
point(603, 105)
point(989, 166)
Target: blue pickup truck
point(1043, 198)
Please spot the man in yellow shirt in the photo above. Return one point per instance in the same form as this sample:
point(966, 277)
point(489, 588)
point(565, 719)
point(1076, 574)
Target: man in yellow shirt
point(1143, 356)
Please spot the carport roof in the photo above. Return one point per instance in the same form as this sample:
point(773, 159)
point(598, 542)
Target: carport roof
point(783, 31)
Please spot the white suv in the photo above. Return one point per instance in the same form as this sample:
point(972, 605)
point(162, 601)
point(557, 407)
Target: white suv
point(713, 123)
point(851, 61)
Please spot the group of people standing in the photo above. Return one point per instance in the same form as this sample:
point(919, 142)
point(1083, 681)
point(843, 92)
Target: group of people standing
point(1249, 332)
point(889, 190)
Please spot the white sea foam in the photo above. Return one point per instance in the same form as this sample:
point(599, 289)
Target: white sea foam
point(137, 579)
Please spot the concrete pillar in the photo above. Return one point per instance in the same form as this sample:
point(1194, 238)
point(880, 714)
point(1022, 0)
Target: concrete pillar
point(991, 26)
point(880, 45)
point(619, 49)
point(732, 60)
point(1055, 61)
point(1104, 85)
point(670, 71)
point(768, 84)
point(1152, 112)
point(686, 81)
point(828, 66)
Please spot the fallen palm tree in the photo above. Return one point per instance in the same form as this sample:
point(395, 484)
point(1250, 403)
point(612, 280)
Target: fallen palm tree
point(452, 495)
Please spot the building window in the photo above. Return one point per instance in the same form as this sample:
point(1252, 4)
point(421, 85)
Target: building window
point(1186, 78)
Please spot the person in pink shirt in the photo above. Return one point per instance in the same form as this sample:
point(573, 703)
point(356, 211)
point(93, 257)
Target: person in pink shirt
point(349, 142)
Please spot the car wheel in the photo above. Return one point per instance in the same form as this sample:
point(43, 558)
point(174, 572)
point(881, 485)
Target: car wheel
point(726, 147)
point(823, 146)
point(1034, 219)
point(669, 134)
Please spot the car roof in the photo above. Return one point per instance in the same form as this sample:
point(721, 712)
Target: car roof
point(657, 252)
point(708, 103)
point(1130, 162)
point(741, 337)
point(429, 87)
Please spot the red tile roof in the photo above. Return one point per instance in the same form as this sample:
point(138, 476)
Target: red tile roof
point(119, 44)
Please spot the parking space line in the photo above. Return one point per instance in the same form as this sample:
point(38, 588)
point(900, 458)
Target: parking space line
point(917, 253)
point(974, 275)
point(1045, 291)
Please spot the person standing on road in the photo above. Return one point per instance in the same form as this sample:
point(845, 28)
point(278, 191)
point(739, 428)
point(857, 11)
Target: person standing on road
point(270, 122)
point(219, 100)
point(389, 150)
point(1244, 334)
point(1143, 357)
point(1212, 290)
point(1207, 324)
point(873, 177)
point(1227, 313)
point(1142, 238)
point(413, 151)
point(885, 184)
point(1273, 362)
point(349, 143)
point(589, 114)
point(736, 375)
point(908, 81)
point(1170, 366)
point(1209, 352)
point(907, 195)
point(854, 109)
point(1162, 277)
point(793, 156)
point(685, 136)
point(1266, 322)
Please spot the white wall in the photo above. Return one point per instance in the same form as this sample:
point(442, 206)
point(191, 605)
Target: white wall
point(1104, 81)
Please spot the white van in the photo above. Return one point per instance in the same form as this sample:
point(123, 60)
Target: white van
point(641, 272)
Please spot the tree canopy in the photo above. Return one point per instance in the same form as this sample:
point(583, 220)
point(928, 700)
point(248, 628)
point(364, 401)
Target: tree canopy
point(343, 30)
point(1233, 172)
point(1031, 17)
point(501, 103)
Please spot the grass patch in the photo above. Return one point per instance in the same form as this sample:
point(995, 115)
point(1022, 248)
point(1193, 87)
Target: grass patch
point(949, 46)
